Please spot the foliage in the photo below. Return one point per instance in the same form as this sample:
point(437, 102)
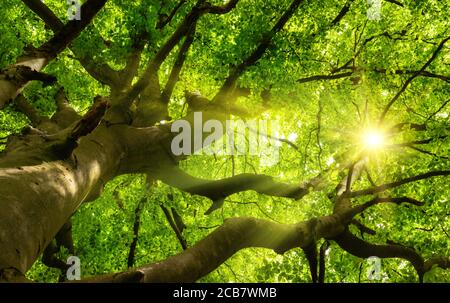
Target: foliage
point(307, 46)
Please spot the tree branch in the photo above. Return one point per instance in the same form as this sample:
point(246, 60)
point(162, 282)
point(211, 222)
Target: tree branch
point(153, 66)
point(65, 114)
point(163, 22)
point(218, 190)
point(405, 85)
point(72, 29)
point(136, 225)
point(363, 249)
point(236, 72)
point(100, 71)
point(382, 70)
point(176, 69)
point(377, 200)
point(42, 10)
point(35, 59)
point(325, 77)
point(235, 234)
point(174, 227)
point(28, 110)
point(395, 2)
point(342, 13)
point(323, 249)
point(422, 73)
point(363, 228)
point(132, 63)
point(381, 188)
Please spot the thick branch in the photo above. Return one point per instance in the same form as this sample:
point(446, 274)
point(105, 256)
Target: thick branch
point(99, 71)
point(132, 65)
point(65, 114)
point(35, 59)
point(235, 234)
point(362, 249)
point(42, 10)
point(72, 29)
point(218, 190)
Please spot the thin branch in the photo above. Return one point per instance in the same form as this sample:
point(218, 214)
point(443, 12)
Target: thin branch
point(377, 200)
point(342, 13)
point(334, 76)
point(363, 228)
point(163, 22)
point(322, 253)
point(153, 66)
point(437, 111)
point(422, 73)
point(28, 110)
point(174, 227)
point(384, 187)
point(257, 205)
point(176, 69)
point(132, 63)
point(406, 84)
point(395, 2)
point(282, 140)
point(401, 126)
point(318, 133)
point(426, 152)
point(324, 77)
point(260, 50)
point(136, 225)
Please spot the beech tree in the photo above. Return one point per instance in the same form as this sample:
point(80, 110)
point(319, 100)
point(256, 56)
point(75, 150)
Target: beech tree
point(360, 91)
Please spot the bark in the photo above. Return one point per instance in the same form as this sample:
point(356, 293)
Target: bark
point(54, 190)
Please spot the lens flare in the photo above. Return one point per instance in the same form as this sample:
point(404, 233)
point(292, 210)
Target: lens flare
point(373, 140)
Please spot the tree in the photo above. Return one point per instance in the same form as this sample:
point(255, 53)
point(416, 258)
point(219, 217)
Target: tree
point(88, 105)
